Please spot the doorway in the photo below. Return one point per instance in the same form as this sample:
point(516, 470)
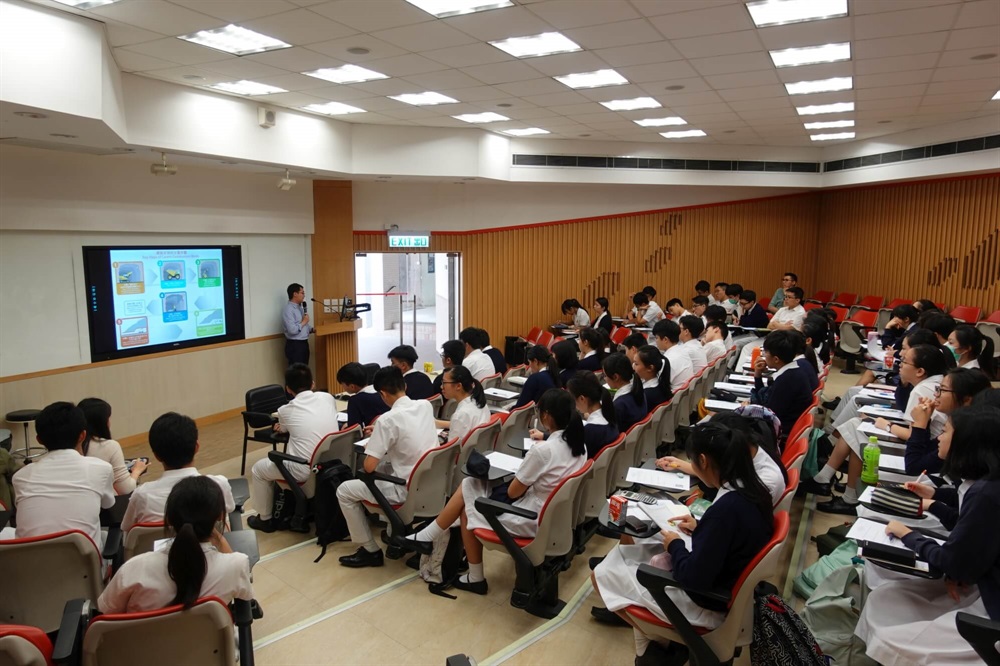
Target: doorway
point(415, 301)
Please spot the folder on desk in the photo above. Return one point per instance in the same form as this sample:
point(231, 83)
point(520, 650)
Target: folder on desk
point(674, 481)
point(720, 405)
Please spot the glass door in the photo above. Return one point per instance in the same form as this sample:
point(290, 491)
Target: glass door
point(415, 301)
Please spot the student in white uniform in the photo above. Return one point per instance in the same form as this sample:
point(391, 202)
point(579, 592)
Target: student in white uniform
point(792, 314)
point(691, 330)
point(667, 335)
point(714, 340)
point(912, 622)
point(459, 385)
point(307, 419)
point(399, 438)
point(675, 308)
point(62, 490)
point(100, 445)
point(173, 438)
point(478, 363)
point(646, 312)
point(578, 316)
point(546, 464)
point(972, 349)
point(698, 306)
point(198, 562)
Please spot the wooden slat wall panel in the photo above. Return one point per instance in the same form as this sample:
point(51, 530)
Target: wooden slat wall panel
point(934, 239)
point(516, 278)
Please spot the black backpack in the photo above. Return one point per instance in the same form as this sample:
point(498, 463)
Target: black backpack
point(283, 508)
point(780, 637)
point(330, 524)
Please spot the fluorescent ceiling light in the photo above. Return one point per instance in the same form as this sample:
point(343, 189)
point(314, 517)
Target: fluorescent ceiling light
point(823, 85)
point(346, 74)
point(236, 40)
point(777, 12)
point(632, 104)
point(681, 135)
point(839, 107)
point(832, 137)
point(443, 8)
point(830, 124)
point(997, 96)
point(333, 109)
point(424, 99)
point(546, 43)
point(487, 117)
point(86, 4)
point(527, 131)
point(602, 77)
point(811, 55)
point(660, 122)
point(248, 88)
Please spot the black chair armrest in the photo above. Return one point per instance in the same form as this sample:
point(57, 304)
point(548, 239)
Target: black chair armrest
point(113, 543)
point(242, 612)
point(4, 519)
point(243, 617)
point(70, 637)
point(666, 578)
point(278, 457)
point(379, 476)
point(397, 529)
point(258, 419)
point(489, 507)
point(982, 634)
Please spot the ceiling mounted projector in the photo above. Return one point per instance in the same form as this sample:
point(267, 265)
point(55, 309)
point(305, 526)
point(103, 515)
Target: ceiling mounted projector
point(286, 183)
point(162, 169)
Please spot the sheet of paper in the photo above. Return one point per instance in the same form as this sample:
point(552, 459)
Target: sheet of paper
point(742, 379)
point(676, 481)
point(884, 412)
point(867, 495)
point(742, 389)
point(362, 443)
point(869, 530)
point(341, 417)
point(720, 405)
point(892, 463)
point(528, 443)
point(517, 381)
point(875, 393)
point(500, 394)
point(661, 512)
point(504, 461)
point(869, 430)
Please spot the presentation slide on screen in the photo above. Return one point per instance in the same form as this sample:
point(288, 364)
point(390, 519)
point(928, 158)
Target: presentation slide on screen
point(165, 296)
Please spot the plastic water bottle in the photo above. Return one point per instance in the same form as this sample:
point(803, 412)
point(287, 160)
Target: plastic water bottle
point(870, 457)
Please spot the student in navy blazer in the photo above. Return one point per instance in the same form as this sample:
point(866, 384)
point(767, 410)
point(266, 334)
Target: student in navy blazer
point(365, 404)
point(499, 362)
point(653, 369)
point(594, 403)
point(591, 350)
point(603, 317)
point(567, 358)
point(788, 394)
point(544, 375)
point(418, 385)
point(629, 399)
point(754, 316)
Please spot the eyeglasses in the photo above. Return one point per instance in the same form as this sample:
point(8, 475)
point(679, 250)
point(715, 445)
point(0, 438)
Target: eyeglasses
point(903, 362)
point(450, 383)
point(938, 391)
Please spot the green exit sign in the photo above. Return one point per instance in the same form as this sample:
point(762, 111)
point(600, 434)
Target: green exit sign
point(410, 240)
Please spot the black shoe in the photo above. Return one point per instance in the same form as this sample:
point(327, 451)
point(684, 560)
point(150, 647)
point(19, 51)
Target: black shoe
point(838, 505)
point(594, 561)
point(815, 487)
point(605, 616)
point(839, 487)
point(480, 587)
point(363, 558)
point(655, 655)
point(256, 523)
point(831, 404)
point(414, 546)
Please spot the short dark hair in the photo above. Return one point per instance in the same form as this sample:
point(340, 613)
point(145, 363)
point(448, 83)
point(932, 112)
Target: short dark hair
point(390, 380)
point(795, 278)
point(640, 298)
point(485, 335)
point(931, 359)
point(454, 351)
point(174, 438)
point(404, 353)
point(722, 284)
point(700, 300)
point(782, 345)
point(569, 304)
point(938, 322)
point(293, 289)
point(97, 412)
point(635, 340)
point(967, 382)
point(693, 325)
point(352, 373)
point(925, 305)
point(905, 311)
point(721, 325)
point(649, 291)
point(971, 457)
point(675, 301)
point(298, 377)
point(60, 425)
point(566, 353)
point(734, 289)
point(667, 328)
point(749, 295)
point(702, 285)
point(715, 313)
point(796, 292)
point(472, 337)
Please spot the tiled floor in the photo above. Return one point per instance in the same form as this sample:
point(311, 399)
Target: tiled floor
point(321, 613)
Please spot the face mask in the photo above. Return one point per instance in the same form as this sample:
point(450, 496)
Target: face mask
point(733, 301)
point(954, 352)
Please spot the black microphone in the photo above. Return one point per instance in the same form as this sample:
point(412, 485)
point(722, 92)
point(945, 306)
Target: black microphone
point(305, 307)
point(316, 300)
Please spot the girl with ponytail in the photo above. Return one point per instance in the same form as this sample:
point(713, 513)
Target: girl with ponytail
point(629, 399)
point(544, 374)
point(594, 403)
point(973, 350)
point(547, 463)
point(459, 385)
point(591, 350)
point(653, 370)
point(198, 563)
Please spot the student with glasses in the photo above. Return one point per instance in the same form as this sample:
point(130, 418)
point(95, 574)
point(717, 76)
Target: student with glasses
point(792, 314)
point(452, 354)
point(788, 280)
point(471, 411)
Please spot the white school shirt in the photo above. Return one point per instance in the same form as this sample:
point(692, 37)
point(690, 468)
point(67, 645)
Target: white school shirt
point(547, 463)
point(401, 436)
point(581, 318)
point(467, 416)
point(973, 364)
point(599, 318)
point(479, 364)
point(653, 313)
point(63, 490)
point(110, 452)
point(149, 501)
point(714, 349)
point(307, 419)
point(694, 350)
point(795, 316)
point(143, 584)
point(681, 368)
point(926, 389)
point(769, 473)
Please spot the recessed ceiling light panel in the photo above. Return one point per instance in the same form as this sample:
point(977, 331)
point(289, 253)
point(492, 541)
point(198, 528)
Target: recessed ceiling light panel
point(829, 124)
point(527, 131)
point(333, 109)
point(346, 74)
point(247, 88)
point(660, 122)
point(598, 79)
point(632, 104)
point(443, 8)
point(236, 40)
point(779, 12)
point(546, 43)
point(685, 134)
point(823, 85)
point(86, 4)
point(832, 137)
point(839, 107)
point(995, 97)
point(811, 55)
point(485, 117)
point(424, 99)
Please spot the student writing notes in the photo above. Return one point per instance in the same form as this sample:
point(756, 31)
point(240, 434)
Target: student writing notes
point(458, 385)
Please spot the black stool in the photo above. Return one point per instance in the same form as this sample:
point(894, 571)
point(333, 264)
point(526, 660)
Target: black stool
point(26, 416)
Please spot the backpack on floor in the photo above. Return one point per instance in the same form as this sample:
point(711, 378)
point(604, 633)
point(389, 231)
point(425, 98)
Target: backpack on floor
point(780, 637)
point(813, 576)
point(444, 564)
point(832, 614)
point(283, 508)
point(330, 523)
point(832, 539)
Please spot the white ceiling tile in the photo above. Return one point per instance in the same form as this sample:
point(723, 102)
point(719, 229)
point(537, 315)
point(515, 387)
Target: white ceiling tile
point(424, 36)
point(905, 103)
point(974, 37)
point(732, 64)
point(893, 79)
point(291, 99)
point(990, 69)
point(756, 104)
point(761, 78)
point(898, 46)
point(374, 119)
point(404, 65)
point(159, 16)
point(727, 117)
point(485, 95)
point(639, 54)
point(697, 110)
point(468, 55)
point(502, 72)
point(120, 34)
point(307, 3)
point(977, 14)
point(657, 72)
point(716, 45)
point(529, 113)
point(910, 22)
point(340, 93)
point(889, 92)
point(447, 121)
point(656, 88)
point(957, 98)
point(557, 99)
point(896, 63)
point(532, 87)
point(236, 12)
point(294, 82)
point(679, 99)
point(862, 7)
point(179, 51)
point(622, 33)
point(815, 72)
point(385, 104)
point(810, 33)
point(963, 58)
point(710, 21)
point(415, 112)
point(770, 114)
point(566, 14)
point(296, 59)
point(566, 63)
point(240, 68)
point(608, 93)
point(337, 48)
point(752, 92)
point(950, 108)
point(498, 24)
point(130, 61)
point(449, 79)
point(369, 15)
point(588, 109)
point(967, 85)
point(177, 75)
point(299, 27)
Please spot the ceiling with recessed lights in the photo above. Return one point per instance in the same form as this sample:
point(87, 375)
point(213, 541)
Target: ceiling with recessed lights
point(714, 71)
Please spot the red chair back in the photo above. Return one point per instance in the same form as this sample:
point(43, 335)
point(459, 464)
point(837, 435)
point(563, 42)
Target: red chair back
point(619, 334)
point(811, 306)
point(898, 301)
point(845, 298)
point(781, 523)
point(544, 339)
point(871, 302)
point(554, 340)
point(865, 318)
point(793, 451)
point(968, 314)
point(994, 318)
point(821, 297)
point(32, 636)
point(840, 312)
point(533, 334)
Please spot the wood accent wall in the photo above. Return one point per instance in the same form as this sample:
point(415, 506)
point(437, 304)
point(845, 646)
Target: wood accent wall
point(517, 278)
point(933, 239)
point(333, 274)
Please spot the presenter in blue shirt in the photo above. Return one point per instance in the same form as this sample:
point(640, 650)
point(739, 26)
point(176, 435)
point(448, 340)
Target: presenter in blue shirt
point(295, 323)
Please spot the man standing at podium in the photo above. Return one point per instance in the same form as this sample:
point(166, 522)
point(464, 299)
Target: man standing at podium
point(296, 326)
